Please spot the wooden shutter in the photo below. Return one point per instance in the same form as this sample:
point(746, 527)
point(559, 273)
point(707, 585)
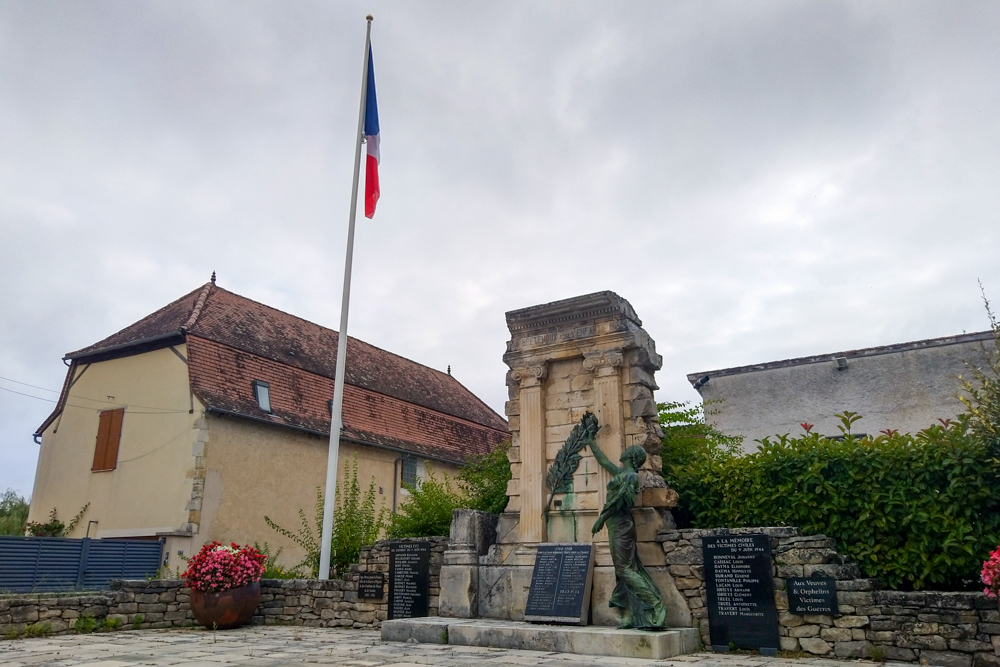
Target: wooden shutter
point(109, 433)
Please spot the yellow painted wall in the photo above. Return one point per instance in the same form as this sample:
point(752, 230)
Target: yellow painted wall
point(151, 486)
point(255, 469)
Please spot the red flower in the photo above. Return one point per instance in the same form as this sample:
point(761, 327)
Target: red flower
point(807, 426)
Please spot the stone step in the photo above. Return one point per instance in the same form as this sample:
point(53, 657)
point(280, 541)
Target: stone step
point(586, 640)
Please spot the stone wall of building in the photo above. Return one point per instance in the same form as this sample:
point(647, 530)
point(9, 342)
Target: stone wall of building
point(164, 603)
point(933, 628)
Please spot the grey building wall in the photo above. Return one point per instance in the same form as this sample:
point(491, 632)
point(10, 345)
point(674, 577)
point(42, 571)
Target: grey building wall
point(905, 386)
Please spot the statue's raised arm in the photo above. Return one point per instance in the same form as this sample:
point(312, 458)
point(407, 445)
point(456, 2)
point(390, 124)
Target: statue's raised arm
point(603, 459)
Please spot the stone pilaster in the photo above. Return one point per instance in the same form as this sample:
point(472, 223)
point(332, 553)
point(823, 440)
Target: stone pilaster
point(605, 366)
point(531, 446)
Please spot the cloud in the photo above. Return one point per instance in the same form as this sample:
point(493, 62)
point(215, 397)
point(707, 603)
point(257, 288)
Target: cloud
point(760, 180)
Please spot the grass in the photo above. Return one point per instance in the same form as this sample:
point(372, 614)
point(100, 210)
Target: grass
point(85, 624)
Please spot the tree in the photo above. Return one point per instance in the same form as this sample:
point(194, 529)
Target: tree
point(13, 513)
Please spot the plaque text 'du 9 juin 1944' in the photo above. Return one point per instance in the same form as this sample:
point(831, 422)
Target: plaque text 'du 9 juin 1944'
point(560, 584)
point(409, 579)
point(738, 578)
point(370, 585)
point(812, 596)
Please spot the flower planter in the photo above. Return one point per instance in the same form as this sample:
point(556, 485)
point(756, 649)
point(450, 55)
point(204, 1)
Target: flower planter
point(226, 609)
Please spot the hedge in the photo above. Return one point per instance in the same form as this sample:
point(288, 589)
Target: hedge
point(916, 511)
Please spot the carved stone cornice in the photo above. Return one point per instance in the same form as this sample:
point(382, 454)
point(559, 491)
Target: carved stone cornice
point(528, 376)
point(603, 362)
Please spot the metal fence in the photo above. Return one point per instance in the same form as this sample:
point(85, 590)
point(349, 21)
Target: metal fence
point(47, 564)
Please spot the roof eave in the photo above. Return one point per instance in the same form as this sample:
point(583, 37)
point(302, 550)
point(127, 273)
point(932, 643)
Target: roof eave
point(127, 349)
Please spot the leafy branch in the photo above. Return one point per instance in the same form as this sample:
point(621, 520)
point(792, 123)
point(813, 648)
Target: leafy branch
point(560, 476)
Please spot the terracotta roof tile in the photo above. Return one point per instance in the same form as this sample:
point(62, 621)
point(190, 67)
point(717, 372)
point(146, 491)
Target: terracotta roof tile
point(222, 377)
point(215, 314)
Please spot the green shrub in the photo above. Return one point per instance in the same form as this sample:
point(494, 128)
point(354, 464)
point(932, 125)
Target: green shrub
point(916, 511)
point(13, 513)
point(483, 480)
point(273, 569)
point(482, 485)
point(137, 621)
point(110, 624)
point(356, 522)
point(85, 624)
point(37, 630)
point(427, 510)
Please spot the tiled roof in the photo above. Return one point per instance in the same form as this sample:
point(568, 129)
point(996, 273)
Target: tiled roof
point(388, 400)
point(267, 332)
point(222, 376)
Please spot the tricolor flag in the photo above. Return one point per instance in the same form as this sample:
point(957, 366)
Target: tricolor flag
point(371, 138)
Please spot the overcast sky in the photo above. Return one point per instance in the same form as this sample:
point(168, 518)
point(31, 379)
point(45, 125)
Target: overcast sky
point(760, 180)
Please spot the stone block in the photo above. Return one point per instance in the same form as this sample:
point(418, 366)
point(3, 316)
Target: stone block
point(459, 591)
point(790, 620)
point(788, 644)
point(804, 631)
point(852, 649)
point(851, 621)
point(815, 646)
point(818, 619)
point(835, 634)
point(969, 645)
point(651, 554)
point(900, 654)
point(986, 659)
point(945, 658)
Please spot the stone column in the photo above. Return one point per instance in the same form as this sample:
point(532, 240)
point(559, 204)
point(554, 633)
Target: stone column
point(605, 365)
point(532, 451)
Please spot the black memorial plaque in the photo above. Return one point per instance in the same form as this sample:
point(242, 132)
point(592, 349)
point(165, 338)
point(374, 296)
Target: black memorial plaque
point(409, 579)
point(560, 584)
point(370, 585)
point(738, 578)
point(812, 596)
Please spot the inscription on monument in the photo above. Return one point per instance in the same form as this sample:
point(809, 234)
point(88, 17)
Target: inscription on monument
point(409, 579)
point(738, 578)
point(812, 596)
point(560, 584)
point(370, 585)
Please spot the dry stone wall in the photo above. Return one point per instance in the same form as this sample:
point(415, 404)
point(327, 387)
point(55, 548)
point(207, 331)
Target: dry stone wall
point(164, 603)
point(933, 628)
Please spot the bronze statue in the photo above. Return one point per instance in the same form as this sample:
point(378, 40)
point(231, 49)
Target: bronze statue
point(635, 594)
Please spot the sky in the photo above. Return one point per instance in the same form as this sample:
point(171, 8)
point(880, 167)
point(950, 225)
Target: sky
point(760, 180)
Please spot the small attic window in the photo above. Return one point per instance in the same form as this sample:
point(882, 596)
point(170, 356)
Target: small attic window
point(262, 392)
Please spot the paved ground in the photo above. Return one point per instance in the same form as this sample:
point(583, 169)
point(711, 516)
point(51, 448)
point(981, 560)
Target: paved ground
point(272, 646)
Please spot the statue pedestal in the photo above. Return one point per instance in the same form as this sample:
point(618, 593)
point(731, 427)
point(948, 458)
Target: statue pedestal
point(588, 640)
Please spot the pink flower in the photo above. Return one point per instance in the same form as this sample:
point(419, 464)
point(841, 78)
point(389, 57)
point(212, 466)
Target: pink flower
point(807, 426)
point(218, 568)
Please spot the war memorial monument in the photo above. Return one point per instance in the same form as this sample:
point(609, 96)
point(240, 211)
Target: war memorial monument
point(573, 563)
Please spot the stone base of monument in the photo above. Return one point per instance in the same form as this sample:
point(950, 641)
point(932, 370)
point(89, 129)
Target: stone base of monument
point(586, 640)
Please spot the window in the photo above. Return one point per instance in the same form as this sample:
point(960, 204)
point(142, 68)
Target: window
point(262, 392)
point(109, 434)
point(410, 471)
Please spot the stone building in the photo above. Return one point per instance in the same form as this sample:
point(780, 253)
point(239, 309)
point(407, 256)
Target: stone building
point(905, 386)
point(214, 411)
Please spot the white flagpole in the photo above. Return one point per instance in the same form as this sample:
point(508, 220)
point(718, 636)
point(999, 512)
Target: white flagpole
point(337, 415)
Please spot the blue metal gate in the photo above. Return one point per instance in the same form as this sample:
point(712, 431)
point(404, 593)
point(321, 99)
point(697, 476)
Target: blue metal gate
point(46, 564)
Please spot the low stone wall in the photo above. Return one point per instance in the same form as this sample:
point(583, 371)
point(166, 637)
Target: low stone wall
point(949, 629)
point(164, 603)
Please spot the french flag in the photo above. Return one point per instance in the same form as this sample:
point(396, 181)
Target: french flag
point(371, 139)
